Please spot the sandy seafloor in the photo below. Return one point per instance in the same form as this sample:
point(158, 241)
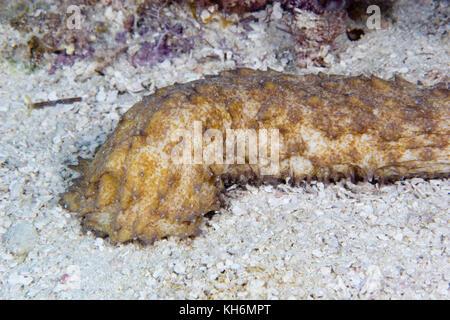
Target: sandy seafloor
point(336, 241)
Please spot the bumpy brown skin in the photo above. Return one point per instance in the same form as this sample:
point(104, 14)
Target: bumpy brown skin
point(330, 127)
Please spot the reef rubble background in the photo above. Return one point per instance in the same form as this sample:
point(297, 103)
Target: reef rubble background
point(343, 240)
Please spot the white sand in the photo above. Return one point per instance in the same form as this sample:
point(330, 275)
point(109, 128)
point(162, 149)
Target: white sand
point(337, 241)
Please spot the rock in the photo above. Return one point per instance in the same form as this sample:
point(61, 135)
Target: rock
point(19, 279)
point(20, 238)
point(101, 95)
point(373, 281)
point(179, 268)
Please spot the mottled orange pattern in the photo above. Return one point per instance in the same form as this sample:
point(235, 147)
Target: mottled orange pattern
point(330, 127)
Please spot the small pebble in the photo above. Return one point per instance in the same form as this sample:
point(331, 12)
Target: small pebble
point(19, 279)
point(101, 95)
point(20, 238)
point(179, 268)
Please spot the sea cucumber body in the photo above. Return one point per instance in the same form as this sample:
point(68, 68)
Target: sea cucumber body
point(329, 127)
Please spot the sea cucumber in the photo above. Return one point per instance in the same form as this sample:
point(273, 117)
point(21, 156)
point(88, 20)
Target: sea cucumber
point(329, 127)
